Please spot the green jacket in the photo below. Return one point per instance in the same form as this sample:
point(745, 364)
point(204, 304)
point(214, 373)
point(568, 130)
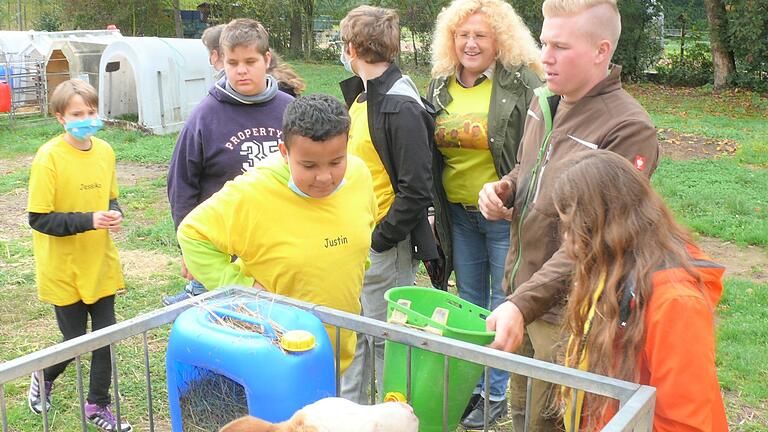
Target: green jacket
point(511, 94)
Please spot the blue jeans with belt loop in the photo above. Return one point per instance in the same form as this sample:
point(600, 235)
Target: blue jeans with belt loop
point(480, 248)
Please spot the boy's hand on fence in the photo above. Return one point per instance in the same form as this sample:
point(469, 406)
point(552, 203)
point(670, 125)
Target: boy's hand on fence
point(508, 322)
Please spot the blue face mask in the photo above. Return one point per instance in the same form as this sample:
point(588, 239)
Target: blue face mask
point(292, 185)
point(347, 62)
point(82, 129)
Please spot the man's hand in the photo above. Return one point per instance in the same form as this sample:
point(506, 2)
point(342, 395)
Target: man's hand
point(492, 198)
point(508, 322)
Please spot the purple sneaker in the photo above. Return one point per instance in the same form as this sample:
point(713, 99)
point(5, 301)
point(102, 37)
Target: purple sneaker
point(102, 418)
point(35, 397)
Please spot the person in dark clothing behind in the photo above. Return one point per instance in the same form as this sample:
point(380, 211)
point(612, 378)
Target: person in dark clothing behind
point(391, 131)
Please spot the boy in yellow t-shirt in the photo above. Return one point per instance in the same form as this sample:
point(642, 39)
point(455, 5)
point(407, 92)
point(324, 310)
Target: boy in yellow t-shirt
point(72, 209)
point(300, 222)
point(392, 131)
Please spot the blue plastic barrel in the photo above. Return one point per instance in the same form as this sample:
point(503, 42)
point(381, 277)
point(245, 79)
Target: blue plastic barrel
point(277, 381)
point(11, 81)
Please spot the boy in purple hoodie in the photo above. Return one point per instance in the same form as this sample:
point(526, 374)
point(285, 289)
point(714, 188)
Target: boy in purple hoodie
point(235, 126)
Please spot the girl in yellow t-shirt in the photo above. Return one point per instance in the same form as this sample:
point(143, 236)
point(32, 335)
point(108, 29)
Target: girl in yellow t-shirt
point(72, 209)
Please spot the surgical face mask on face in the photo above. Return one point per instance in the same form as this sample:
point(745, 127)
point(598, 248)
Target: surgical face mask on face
point(295, 188)
point(346, 61)
point(85, 128)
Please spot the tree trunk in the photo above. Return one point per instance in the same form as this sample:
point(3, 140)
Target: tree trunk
point(308, 7)
point(297, 37)
point(722, 55)
point(177, 19)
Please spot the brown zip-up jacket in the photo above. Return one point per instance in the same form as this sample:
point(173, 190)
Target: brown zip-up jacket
point(537, 270)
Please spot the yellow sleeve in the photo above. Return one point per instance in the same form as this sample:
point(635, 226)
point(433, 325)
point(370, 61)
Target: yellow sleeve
point(42, 185)
point(113, 190)
point(212, 233)
point(374, 209)
point(210, 266)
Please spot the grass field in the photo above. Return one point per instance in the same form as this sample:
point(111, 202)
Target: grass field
point(717, 195)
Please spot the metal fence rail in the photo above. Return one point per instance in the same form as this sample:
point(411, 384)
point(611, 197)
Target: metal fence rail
point(636, 402)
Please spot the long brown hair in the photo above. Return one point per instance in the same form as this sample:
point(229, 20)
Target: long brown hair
point(614, 225)
point(285, 75)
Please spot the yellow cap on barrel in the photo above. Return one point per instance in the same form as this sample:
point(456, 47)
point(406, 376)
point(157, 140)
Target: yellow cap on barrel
point(395, 397)
point(297, 341)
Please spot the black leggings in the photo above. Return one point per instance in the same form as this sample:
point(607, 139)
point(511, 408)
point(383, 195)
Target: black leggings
point(72, 320)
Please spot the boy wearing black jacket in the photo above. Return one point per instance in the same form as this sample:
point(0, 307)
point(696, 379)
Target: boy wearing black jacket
point(392, 130)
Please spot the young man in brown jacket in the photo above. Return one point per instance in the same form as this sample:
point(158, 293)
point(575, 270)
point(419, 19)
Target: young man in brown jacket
point(582, 107)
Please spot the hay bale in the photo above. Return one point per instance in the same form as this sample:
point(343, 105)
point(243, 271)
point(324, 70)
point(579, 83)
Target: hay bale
point(211, 401)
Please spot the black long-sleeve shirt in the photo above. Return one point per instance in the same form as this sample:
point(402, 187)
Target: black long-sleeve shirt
point(61, 224)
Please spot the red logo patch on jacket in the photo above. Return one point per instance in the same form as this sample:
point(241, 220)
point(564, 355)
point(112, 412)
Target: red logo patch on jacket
point(640, 163)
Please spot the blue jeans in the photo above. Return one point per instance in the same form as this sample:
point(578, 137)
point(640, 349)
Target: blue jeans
point(195, 288)
point(480, 248)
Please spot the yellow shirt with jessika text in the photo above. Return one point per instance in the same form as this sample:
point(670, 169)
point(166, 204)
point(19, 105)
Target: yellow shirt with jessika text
point(461, 135)
point(80, 267)
point(311, 249)
point(361, 145)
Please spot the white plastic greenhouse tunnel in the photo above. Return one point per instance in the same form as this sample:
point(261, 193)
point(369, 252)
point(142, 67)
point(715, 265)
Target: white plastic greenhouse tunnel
point(35, 62)
point(153, 81)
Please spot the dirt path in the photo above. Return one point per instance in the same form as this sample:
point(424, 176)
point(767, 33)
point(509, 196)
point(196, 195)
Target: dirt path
point(688, 146)
point(745, 262)
point(131, 173)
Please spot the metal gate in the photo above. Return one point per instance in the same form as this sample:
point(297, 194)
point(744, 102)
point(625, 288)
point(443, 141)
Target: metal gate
point(636, 402)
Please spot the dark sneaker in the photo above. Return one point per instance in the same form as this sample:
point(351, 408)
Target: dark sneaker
point(175, 298)
point(471, 405)
point(496, 410)
point(34, 397)
point(193, 288)
point(102, 418)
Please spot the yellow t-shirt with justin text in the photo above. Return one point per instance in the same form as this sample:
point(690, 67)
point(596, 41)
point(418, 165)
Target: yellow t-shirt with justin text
point(361, 145)
point(81, 267)
point(311, 249)
point(461, 135)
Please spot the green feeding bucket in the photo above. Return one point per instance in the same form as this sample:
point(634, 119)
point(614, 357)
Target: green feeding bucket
point(441, 313)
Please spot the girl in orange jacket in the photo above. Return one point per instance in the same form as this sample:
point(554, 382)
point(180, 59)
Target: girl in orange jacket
point(641, 308)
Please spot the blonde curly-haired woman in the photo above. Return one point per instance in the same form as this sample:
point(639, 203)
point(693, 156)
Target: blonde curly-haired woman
point(485, 66)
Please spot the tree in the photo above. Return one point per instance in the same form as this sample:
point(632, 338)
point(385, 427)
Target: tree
point(693, 9)
point(132, 17)
point(177, 19)
point(419, 18)
point(274, 15)
point(49, 17)
point(640, 44)
point(748, 40)
point(302, 27)
point(722, 55)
